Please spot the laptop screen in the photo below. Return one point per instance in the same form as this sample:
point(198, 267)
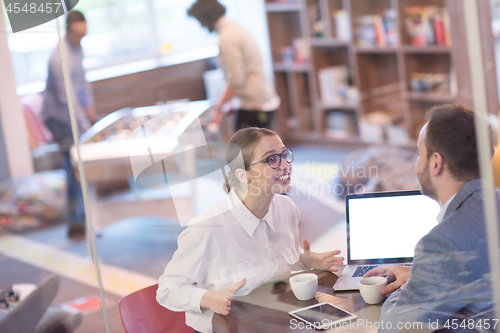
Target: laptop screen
point(386, 226)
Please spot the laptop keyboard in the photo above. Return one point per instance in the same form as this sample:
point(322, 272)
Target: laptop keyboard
point(362, 270)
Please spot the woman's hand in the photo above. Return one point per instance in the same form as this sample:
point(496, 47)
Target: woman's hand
point(397, 274)
point(220, 301)
point(323, 261)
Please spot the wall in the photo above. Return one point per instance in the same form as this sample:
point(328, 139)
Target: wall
point(4, 165)
point(251, 14)
point(148, 87)
point(13, 135)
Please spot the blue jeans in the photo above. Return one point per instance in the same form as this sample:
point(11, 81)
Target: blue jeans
point(75, 211)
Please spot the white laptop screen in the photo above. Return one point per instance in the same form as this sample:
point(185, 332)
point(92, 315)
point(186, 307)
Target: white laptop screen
point(388, 225)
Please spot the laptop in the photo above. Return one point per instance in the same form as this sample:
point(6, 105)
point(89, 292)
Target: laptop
point(384, 228)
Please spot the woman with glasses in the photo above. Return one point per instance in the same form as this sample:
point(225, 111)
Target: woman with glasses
point(249, 239)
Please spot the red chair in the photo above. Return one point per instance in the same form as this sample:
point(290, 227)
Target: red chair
point(141, 313)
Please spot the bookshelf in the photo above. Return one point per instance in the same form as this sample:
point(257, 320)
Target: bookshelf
point(367, 63)
point(291, 67)
point(283, 7)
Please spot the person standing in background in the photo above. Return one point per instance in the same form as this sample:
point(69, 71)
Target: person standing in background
point(242, 63)
point(55, 111)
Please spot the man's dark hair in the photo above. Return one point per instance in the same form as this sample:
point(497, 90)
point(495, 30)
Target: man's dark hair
point(72, 17)
point(451, 132)
point(207, 11)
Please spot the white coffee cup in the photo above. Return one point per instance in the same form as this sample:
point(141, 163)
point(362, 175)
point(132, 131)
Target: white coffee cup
point(370, 289)
point(304, 286)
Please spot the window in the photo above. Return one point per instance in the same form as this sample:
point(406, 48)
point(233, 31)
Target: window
point(31, 51)
point(178, 32)
point(118, 32)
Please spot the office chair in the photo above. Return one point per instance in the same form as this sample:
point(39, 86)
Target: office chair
point(34, 315)
point(141, 313)
point(24, 317)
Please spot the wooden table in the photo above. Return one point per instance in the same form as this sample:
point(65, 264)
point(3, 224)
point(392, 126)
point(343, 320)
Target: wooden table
point(266, 309)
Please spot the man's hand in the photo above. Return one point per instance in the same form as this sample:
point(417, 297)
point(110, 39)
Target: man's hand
point(399, 275)
point(217, 119)
point(220, 112)
point(323, 261)
point(220, 301)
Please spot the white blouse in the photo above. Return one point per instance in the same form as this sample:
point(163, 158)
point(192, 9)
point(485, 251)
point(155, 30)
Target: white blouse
point(223, 245)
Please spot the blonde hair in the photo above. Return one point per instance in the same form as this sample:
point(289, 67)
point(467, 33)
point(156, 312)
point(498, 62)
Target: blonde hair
point(244, 142)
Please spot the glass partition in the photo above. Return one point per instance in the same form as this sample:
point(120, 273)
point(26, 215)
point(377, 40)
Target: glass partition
point(355, 79)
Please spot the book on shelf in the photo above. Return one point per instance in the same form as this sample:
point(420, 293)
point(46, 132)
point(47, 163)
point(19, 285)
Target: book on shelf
point(378, 26)
point(436, 83)
point(370, 133)
point(297, 53)
point(302, 53)
point(380, 126)
point(377, 30)
point(372, 125)
point(365, 31)
point(397, 135)
point(342, 25)
point(333, 84)
point(447, 25)
point(337, 125)
point(428, 25)
point(391, 27)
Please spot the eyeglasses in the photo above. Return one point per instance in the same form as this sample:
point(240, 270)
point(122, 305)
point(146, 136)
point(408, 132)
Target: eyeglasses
point(274, 160)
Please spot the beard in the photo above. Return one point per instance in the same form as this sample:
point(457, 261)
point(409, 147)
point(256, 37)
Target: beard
point(426, 186)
